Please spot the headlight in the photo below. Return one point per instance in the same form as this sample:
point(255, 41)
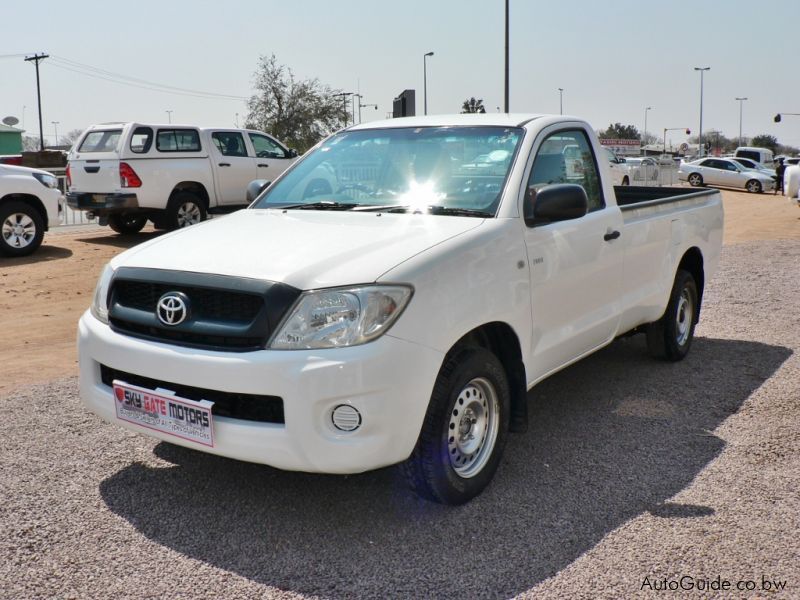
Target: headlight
point(341, 317)
point(46, 179)
point(100, 300)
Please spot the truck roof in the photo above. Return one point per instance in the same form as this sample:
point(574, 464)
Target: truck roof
point(455, 120)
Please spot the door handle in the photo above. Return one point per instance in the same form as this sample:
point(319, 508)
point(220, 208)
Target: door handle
point(262, 165)
point(91, 169)
point(224, 164)
point(611, 236)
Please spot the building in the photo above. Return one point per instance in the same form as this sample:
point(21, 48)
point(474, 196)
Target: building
point(10, 140)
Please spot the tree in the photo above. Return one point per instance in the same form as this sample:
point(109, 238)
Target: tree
point(30, 143)
point(471, 105)
point(70, 137)
point(765, 141)
point(618, 131)
point(300, 113)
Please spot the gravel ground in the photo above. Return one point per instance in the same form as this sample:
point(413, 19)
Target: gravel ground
point(631, 469)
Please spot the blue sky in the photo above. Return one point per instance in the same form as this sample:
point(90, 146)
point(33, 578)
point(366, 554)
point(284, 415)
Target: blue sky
point(613, 58)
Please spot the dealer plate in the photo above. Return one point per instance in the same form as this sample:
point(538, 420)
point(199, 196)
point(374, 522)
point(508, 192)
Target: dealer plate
point(160, 410)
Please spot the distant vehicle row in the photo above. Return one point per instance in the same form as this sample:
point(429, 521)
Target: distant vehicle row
point(725, 172)
point(127, 173)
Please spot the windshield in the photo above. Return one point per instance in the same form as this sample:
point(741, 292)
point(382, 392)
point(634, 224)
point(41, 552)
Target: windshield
point(452, 169)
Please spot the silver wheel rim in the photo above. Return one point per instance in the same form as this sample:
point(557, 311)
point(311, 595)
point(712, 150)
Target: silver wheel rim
point(694, 180)
point(188, 214)
point(19, 230)
point(472, 430)
point(684, 317)
point(752, 187)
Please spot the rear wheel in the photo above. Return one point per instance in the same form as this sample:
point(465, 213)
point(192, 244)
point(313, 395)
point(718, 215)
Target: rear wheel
point(21, 228)
point(465, 429)
point(126, 224)
point(753, 186)
point(671, 336)
point(183, 210)
point(695, 179)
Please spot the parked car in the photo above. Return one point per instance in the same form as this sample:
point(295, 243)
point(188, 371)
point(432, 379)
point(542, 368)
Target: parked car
point(29, 204)
point(724, 172)
point(763, 155)
point(616, 165)
point(752, 164)
point(791, 161)
point(644, 169)
point(338, 334)
point(127, 173)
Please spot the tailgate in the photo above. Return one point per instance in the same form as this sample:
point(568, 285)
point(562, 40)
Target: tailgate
point(94, 166)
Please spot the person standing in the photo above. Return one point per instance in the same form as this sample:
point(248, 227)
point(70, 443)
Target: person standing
point(779, 171)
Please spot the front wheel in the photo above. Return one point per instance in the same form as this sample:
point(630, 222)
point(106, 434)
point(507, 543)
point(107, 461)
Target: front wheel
point(21, 228)
point(464, 431)
point(753, 186)
point(671, 336)
point(695, 180)
point(126, 224)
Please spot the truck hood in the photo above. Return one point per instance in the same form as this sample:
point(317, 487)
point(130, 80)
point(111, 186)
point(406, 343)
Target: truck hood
point(304, 249)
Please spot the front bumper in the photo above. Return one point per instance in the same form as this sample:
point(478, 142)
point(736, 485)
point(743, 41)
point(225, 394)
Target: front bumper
point(102, 202)
point(388, 380)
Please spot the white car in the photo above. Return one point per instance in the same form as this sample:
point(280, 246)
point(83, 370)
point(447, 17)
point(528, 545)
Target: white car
point(748, 163)
point(616, 166)
point(402, 315)
point(724, 172)
point(644, 169)
point(127, 173)
point(29, 205)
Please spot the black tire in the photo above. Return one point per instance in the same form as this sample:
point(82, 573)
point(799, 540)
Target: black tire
point(695, 180)
point(754, 186)
point(184, 209)
point(626, 181)
point(126, 224)
point(473, 382)
point(670, 338)
point(21, 228)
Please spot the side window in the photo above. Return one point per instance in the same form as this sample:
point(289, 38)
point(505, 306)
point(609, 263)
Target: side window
point(567, 157)
point(141, 140)
point(265, 147)
point(178, 140)
point(229, 143)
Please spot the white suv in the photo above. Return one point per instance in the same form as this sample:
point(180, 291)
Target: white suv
point(127, 173)
point(28, 205)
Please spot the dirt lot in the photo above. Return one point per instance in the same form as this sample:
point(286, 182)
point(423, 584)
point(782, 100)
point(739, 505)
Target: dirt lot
point(42, 296)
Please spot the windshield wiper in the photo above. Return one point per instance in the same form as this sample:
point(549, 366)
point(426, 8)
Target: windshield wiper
point(322, 205)
point(429, 210)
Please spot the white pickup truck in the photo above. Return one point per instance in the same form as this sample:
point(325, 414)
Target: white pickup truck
point(402, 314)
point(126, 173)
point(29, 204)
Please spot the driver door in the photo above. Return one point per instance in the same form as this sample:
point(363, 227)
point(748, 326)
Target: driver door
point(271, 159)
point(233, 168)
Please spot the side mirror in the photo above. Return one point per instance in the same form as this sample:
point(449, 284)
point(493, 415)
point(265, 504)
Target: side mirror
point(292, 153)
point(255, 187)
point(556, 202)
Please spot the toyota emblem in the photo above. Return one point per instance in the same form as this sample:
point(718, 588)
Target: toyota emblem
point(172, 308)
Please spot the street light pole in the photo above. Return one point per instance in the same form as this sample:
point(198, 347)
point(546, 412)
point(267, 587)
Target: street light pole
point(561, 101)
point(169, 115)
point(55, 125)
point(644, 133)
point(741, 101)
point(344, 96)
point(700, 134)
point(425, 78)
point(506, 66)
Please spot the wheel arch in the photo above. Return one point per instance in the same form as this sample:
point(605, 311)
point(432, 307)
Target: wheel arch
point(692, 262)
point(194, 187)
point(31, 200)
point(502, 341)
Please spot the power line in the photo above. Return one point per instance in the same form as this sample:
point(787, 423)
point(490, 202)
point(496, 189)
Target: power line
point(111, 76)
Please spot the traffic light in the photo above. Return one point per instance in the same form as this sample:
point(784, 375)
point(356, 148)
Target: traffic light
point(688, 131)
point(777, 118)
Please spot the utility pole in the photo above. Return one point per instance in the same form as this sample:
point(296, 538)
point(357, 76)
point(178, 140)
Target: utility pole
point(561, 101)
point(740, 100)
point(506, 82)
point(37, 58)
point(701, 149)
point(55, 124)
point(169, 116)
point(344, 96)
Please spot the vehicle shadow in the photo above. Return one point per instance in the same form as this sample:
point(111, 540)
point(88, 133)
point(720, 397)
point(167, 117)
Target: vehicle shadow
point(121, 240)
point(43, 254)
point(612, 437)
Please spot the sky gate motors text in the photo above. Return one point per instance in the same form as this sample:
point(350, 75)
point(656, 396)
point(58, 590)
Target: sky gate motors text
point(163, 406)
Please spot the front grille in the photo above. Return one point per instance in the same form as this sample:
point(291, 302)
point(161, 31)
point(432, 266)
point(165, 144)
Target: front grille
point(211, 304)
point(224, 313)
point(247, 407)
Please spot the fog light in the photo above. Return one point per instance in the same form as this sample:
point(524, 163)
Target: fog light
point(346, 418)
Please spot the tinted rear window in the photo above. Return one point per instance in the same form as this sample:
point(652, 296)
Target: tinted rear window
point(178, 140)
point(141, 140)
point(101, 141)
